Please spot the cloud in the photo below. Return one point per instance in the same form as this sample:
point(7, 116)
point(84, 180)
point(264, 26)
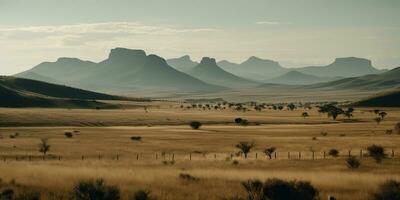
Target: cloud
point(272, 23)
point(106, 27)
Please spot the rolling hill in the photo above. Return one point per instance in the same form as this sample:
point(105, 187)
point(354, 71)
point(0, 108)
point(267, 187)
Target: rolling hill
point(210, 72)
point(183, 64)
point(19, 92)
point(386, 80)
point(386, 99)
point(124, 70)
point(254, 68)
point(297, 78)
point(342, 67)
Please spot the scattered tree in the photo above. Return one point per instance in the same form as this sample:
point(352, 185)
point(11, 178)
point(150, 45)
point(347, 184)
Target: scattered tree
point(44, 146)
point(305, 114)
point(333, 153)
point(378, 120)
point(68, 135)
point(195, 124)
point(245, 147)
point(382, 115)
point(269, 151)
point(376, 152)
point(238, 120)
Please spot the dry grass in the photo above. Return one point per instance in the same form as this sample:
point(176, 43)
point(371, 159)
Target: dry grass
point(285, 130)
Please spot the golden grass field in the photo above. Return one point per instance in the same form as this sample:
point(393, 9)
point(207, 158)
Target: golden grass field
point(164, 128)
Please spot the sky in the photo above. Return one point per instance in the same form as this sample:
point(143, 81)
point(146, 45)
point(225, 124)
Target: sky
point(293, 32)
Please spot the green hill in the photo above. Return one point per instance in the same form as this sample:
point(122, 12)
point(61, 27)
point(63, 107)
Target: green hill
point(19, 92)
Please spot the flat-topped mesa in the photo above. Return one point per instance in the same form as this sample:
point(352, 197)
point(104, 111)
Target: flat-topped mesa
point(68, 60)
point(208, 61)
point(353, 60)
point(123, 53)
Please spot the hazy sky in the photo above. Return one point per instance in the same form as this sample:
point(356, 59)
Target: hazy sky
point(293, 32)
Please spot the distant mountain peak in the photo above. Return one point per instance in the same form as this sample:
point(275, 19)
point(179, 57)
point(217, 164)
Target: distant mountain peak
point(353, 60)
point(208, 61)
point(68, 60)
point(122, 53)
point(157, 60)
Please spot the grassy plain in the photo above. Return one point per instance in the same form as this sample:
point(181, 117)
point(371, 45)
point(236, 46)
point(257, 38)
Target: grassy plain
point(164, 129)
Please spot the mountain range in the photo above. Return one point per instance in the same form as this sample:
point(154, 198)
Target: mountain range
point(128, 71)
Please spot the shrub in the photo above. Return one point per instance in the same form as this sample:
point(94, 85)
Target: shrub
point(376, 152)
point(276, 189)
point(195, 124)
point(141, 195)
point(68, 134)
point(95, 190)
point(353, 162)
point(244, 122)
point(44, 146)
point(324, 133)
point(333, 153)
point(235, 162)
point(238, 120)
point(136, 138)
point(388, 190)
point(187, 177)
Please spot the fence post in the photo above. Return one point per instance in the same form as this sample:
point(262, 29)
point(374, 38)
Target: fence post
point(83, 157)
point(288, 155)
point(299, 155)
point(361, 153)
point(349, 153)
point(190, 156)
point(256, 156)
point(324, 154)
point(59, 157)
point(117, 156)
point(137, 156)
point(173, 157)
point(215, 156)
point(99, 157)
point(392, 153)
point(275, 154)
point(313, 155)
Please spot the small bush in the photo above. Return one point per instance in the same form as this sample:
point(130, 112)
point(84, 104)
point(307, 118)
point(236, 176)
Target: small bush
point(324, 133)
point(353, 162)
point(389, 190)
point(136, 138)
point(195, 125)
point(141, 195)
point(235, 162)
point(238, 120)
point(188, 177)
point(95, 190)
point(276, 189)
point(376, 152)
point(68, 135)
point(333, 153)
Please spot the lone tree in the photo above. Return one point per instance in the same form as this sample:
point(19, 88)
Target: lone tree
point(245, 147)
point(291, 106)
point(349, 112)
point(195, 124)
point(305, 114)
point(238, 120)
point(269, 151)
point(376, 152)
point(382, 115)
point(44, 146)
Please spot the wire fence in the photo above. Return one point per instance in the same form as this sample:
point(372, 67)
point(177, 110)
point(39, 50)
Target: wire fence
point(162, 156)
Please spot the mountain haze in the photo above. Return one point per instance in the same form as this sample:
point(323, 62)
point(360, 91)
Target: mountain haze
point(183, 64)
point(254, 68)
point(297, 78)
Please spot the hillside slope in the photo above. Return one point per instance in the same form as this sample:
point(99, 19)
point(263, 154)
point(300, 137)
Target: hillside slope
point(297, 78)
point(386, 99)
